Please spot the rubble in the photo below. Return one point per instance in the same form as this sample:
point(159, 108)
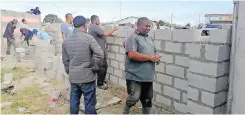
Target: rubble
point(8, 77)
point(21, 109)
point(4, 104)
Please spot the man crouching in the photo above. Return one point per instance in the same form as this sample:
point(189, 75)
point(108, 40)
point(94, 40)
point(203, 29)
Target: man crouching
point(82, 57)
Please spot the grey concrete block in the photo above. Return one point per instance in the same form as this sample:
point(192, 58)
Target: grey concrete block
point(115, 48)
point(213, 99)
point(167, 58)
point(181, 60)
point(109, 40)
point(213, 69)
point(180, 107)
point(220, 36)
point(110, 70)
point(47, 64)
point(160, 67)
point(118, 73)
point(20, 50)
point(187, 35)
point(121, 66)
point(165, 79)
point(158, 45)
point(163, 100)
point(184, 97)
point(114, 63)
point(122, 83)
point(118, 41)
point(195, 108)
point(163, 34)
point(207, 83)
point(120, 57)
point(194, 50)
point(193, 93)
point(114, 79)
point(122, 50)
point(9, 77)
point(175, 71)
point(171, 92)
point(173, 47)
point(180, 84)
point(217, 52)
point(111, 55)
point(157, 87)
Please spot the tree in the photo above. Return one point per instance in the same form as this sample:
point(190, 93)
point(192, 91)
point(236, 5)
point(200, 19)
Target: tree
point(161, 23)
point(188, 25)
point(52, 18)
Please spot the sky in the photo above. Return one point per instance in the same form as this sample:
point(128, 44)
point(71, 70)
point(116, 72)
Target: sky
point(184, 12)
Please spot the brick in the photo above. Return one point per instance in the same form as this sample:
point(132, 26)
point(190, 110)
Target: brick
point(180, 107)
point(193, 93)
point(213, 99)
point(166, 58)
point(163, 34)
point(171, 92)
point(158, 45)
point(111, 55)
point(120, 57)
point(114, 64)
point(114, 79)
point(217, 53)
point(121, 66)
point(163, 100)
point(20, 50)
point(165, 79)
point(187, 35)
point(194, 50)
point(160, 67)
point(115, 48)
point(122, 50)
point(109, 40)
point(157, 87)
point(213, 69)
point(220, 36)
point(180, 84)
point(184, 97)
point(183, 61)
point(173, 47)
point(47, 64)
point(207, 83)
point(122, 83)
point(118, 41)
point(195, 108)
point(175, 71)
point(110, 70)
point(118, 72)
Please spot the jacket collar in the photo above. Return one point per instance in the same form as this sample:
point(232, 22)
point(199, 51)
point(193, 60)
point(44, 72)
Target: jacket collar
point(137, 32)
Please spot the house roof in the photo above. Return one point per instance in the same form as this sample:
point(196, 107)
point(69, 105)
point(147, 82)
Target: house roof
point(206, 15)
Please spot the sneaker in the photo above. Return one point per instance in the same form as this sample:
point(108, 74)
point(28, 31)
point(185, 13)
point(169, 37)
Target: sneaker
point(104, 86)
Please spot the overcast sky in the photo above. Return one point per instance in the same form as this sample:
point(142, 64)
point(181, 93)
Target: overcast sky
point(109, 10)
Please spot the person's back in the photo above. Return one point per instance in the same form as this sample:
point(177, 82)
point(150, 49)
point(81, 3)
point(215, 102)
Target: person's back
point(9, 31)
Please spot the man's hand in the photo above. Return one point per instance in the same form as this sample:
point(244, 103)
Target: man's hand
point(115, 28)
point(155, 58)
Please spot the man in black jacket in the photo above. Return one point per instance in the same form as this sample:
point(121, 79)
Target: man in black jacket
point(9, 34)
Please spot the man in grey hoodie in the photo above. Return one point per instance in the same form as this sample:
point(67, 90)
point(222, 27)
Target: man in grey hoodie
point(9, 34)
point(82, 57)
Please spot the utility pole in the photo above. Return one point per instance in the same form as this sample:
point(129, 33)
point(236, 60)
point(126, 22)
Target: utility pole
point(120, 9)
point(199, 19)
point(171, 20)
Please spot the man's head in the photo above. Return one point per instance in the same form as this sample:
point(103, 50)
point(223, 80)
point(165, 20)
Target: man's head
point(37, 8)
point(22, 30)
point(24, 21)
point(15, 21)
point(143, 25)
point(69, 18)
point(80, 22)
point(95, 19)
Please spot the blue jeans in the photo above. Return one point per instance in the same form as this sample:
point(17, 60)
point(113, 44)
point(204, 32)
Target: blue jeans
point(89, 92)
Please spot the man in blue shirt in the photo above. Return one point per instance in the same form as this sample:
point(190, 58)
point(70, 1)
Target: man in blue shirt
point(27, 33)
point(67, 27)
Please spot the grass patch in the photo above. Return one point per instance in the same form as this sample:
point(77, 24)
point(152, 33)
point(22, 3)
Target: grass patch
point(24, 98)
point(18, 72)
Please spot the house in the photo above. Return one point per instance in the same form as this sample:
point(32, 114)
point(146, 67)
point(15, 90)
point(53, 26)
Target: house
point(218, 19)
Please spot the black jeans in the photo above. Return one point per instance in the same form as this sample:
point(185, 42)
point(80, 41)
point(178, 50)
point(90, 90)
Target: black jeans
point(102, 73)
point(142, 91)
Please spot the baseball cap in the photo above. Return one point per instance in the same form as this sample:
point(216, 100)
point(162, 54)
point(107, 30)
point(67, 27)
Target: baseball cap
point(79, 21)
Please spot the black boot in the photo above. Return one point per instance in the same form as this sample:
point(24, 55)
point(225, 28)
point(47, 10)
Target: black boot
point(146, 110)
point(126, 109)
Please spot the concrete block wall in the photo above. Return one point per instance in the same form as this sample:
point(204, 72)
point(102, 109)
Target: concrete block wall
point(192, 76)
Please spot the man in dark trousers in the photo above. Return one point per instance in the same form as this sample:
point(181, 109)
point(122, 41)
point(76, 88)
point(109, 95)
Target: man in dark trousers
point(100, 37)
point(82, 56)
point(140, 60)
point(9, 34)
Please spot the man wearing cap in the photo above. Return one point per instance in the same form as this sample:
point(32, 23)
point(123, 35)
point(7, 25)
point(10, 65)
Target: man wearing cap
point(100, 36)
point(82, 57)
point(9, 34)
point(67, 27)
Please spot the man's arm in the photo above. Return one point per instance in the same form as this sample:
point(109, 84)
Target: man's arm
point(98, 54)
point(65, 59)
point(100, 32)
point(9, 30)
point(63, 29)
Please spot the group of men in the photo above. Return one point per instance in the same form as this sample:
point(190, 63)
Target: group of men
point(84, 55)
